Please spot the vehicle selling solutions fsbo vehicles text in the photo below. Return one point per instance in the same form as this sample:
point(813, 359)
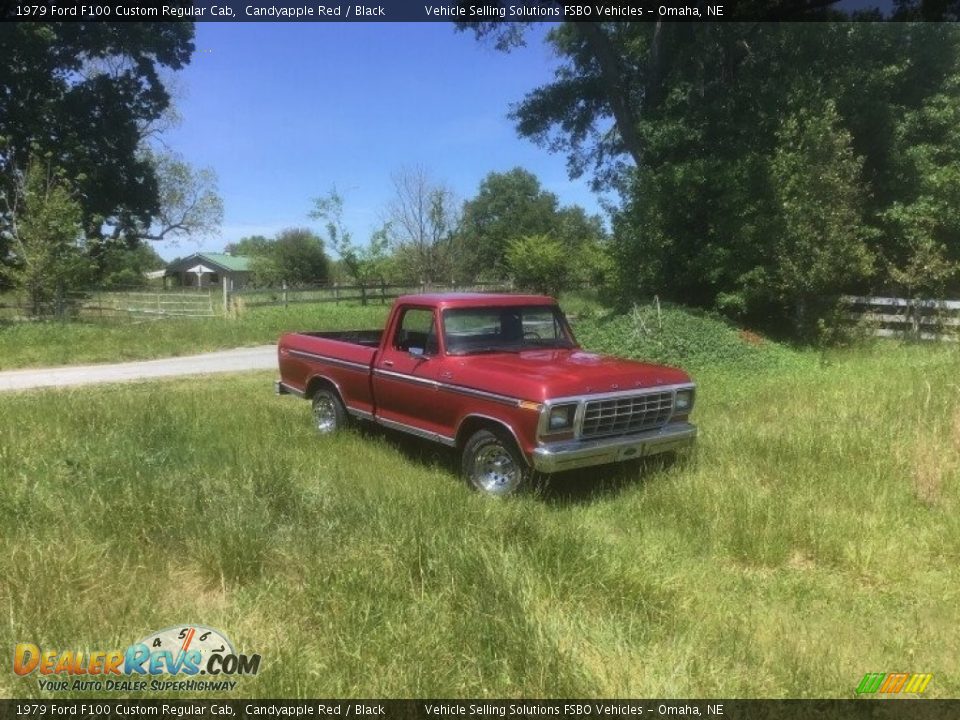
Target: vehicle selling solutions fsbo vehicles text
point(485, 11)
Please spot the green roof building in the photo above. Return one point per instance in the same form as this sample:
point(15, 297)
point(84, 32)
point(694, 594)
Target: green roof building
point(210, 269)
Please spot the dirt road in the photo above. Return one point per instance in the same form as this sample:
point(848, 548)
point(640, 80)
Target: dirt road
point(263, 357)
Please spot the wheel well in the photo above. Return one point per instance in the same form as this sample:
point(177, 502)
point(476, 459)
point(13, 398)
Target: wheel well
point(473, 423)
point(321, 382)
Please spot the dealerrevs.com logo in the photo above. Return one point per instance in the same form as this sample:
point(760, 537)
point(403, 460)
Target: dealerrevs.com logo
point(171, 659)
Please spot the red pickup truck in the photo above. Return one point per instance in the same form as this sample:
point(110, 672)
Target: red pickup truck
point(499, 377)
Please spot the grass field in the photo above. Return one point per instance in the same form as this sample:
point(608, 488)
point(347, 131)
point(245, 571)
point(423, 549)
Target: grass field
point(813, 537)
point(40, 344)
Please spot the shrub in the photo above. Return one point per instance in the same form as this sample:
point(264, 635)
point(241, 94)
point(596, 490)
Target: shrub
point(539, 263)
point(683, 337)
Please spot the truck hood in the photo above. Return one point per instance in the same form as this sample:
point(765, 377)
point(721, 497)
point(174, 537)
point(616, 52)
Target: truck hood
point(546, 374)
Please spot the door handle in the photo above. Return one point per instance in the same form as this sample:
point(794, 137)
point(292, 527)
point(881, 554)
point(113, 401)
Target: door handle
point(388, 363)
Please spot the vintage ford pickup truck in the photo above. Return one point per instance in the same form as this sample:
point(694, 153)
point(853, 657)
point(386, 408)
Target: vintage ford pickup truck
point(500, 378)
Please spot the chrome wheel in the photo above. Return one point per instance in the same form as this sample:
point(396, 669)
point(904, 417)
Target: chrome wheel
point(495, 471)
point(324, 413)
point(491, 465)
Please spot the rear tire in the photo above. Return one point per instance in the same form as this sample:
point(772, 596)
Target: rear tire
point(492, 464)
point(329, 414)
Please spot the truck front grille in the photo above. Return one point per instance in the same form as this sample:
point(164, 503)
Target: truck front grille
point(625, 415)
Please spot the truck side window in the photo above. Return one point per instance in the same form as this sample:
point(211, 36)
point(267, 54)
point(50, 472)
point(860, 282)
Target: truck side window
point(416, 332)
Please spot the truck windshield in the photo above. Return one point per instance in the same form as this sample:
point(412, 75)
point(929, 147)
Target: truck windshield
point(504, 329)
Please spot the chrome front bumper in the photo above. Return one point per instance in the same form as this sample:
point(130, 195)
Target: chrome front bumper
point(584, 453)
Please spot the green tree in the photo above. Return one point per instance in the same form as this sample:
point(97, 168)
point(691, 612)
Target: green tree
point(927, 217)
point(686, 122)
point(513, 205)
point(189, 207)
point(360, 264)
point(507, 206)
point(124, 267)
point(45, 237)
point(87, 95)
point(614, 75)
point(296, 257)
point(822, 246)
point(264, 271)
point(250, 246)
point(585, 241)
point(189, 202)
point(539, 263)
point(375, 262)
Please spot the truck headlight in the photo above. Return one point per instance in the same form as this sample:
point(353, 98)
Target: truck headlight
point(561, 417)
point(683, 401)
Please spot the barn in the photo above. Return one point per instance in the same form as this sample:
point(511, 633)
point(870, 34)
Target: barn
point(209, 270)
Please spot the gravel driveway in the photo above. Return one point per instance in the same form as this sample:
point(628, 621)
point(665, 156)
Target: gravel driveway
point(237, 360)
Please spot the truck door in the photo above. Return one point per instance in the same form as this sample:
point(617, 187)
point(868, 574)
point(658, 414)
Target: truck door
point(404, 372)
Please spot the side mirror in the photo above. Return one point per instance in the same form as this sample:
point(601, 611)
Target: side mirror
point(418, 353)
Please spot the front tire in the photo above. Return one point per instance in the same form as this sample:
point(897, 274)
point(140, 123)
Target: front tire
point(492, 464)
point(329, 414)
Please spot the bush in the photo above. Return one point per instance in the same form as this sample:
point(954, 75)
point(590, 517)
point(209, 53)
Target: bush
point(539, 263)
point(124, 278)
point(678, 336)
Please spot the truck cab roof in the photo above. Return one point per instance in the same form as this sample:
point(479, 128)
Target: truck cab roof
point(474, 299)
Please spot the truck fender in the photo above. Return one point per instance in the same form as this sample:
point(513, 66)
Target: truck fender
point(472, 422)
point(317, 381)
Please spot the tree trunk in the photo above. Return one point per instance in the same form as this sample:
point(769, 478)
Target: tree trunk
point(611, 74)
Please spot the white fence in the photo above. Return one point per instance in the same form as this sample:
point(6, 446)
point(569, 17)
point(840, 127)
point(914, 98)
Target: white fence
point(152, 305)
point(905, 318)
point(110, 305)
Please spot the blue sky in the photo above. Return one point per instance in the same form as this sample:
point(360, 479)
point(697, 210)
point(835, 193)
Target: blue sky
point(284, 111)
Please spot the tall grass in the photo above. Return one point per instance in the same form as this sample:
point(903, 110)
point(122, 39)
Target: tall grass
point(813, 537)
point(26, 344)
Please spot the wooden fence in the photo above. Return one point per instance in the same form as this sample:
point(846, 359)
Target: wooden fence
point(365, 294)
point(140, 304)
point(111, 305)
point(905, 318)
point(151, 305)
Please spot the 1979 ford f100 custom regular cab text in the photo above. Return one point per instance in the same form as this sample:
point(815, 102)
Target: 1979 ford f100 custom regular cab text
point(499, 377)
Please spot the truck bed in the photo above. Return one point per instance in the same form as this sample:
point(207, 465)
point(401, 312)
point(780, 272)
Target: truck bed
point(368, 338)
point(344, 358)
